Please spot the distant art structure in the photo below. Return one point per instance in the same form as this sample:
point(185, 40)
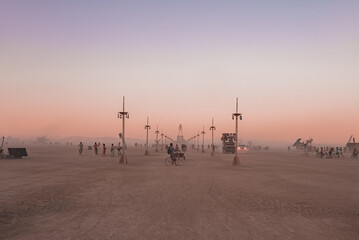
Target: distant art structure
point(236, 115)
point(122, 115)
point(147, 127)
point(212, 128)
point(180, 138)
point(167, 137)
point(203, 133)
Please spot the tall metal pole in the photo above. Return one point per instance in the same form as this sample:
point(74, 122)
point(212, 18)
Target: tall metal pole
point(157, 132)
point(198, 141)
point(123, 115)
point(236, 115)
point(162, 140)
point(147, 127)
point(203, 133)
point(212, 128)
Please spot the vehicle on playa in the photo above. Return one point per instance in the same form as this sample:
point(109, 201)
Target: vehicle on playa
point(228, 142)
point(242, 148)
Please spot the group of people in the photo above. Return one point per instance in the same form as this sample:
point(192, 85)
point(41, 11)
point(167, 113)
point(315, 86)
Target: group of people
point(97, 146)
point(329, 152)
point(258, 148)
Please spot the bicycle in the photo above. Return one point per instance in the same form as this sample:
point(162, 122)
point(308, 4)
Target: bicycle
point(176, 159)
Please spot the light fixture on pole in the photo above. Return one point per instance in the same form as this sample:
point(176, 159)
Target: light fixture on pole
point(212, 128)
point(147, 127)
point(203, 133)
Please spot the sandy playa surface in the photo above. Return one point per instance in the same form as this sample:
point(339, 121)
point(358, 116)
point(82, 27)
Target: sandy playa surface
point(57, 194)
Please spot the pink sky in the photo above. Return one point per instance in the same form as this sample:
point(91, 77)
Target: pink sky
point(65, 66)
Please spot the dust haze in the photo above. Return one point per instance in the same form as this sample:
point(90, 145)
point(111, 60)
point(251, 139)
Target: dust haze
point(56, 193)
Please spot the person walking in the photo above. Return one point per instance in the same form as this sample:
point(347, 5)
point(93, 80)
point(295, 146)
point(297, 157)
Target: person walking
point(81, 147)
point(112, 150)
point(95, 148)
point(119, 148)
point(103, 150)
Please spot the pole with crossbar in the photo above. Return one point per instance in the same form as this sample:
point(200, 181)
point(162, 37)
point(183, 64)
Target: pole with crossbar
point(123, 115)
point(236, 115)
point(203, 133)
point(212, 128)
point(147, 127)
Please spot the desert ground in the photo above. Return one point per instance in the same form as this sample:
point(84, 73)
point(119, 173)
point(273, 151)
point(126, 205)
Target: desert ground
point(57, 194)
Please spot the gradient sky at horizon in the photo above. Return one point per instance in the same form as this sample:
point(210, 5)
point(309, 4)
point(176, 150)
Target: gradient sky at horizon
point(65, 65)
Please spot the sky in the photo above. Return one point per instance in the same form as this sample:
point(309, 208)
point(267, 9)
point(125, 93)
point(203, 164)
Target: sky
point(294, 66)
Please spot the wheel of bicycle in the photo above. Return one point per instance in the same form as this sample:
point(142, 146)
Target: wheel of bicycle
point(180, 161)
point(168, 161)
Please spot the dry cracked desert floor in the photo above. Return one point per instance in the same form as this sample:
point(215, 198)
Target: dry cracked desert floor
point(57, 194)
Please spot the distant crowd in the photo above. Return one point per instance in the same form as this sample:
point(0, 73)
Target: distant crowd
point(329, 152)
point(97, 146)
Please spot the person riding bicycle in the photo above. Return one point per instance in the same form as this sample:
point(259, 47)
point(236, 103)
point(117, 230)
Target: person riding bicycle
point(171, 151)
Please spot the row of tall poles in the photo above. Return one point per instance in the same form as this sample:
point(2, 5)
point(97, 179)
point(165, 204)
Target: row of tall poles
point(212, 128)
point(123, 115)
